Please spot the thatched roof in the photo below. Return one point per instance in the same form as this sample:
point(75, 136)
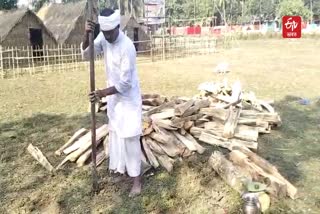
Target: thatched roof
point(9, 19)
point(61, 19)
point(124, 21)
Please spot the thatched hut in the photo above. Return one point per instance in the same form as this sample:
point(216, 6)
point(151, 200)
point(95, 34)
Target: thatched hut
point(65, 21)
point(22, 27)
point(135, 31)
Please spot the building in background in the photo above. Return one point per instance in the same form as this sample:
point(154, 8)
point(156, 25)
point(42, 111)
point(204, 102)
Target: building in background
point(154, 14)
point(21, 28)
point(65, 21)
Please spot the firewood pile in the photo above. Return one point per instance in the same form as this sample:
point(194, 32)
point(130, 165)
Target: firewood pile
point(220, 115)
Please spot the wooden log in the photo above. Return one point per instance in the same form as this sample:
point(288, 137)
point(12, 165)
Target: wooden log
point(182, 120)
point(149, 96)
point(167, 113)
point(146, 108)
point(159, 137)
point(169, 147)
point(263, 127)
point(101, 132)
point(147, 131)
point(101, 156)
point(228, 100)
point(231, 123)
point(220, 114)
point(182, 131)
point(215, 127)
point(200, 149)
point(189, 144)
point(196, 132)
point(85, 139)
point(82, 159)
point(85, 156)
point(162, 135)
point(145, 166)
point(248, 133)
point(184, 151)
point(37, 154)
point(181, 108)
point(77, 144)
point(187, 125)
point(204, 103)
point(74, 137)
point(269, 168)
point(228, 144)
point(232, 175)
point(276, 186)
point(242, 132)
point(190, 111)
point(156, 101)
point(166, 162)
point(266, 106)
point(147, 126)
point(159, 108)
point(272, 118)
point(245, 121)
point(152, 159)
point(154, 146)
point(166, 124)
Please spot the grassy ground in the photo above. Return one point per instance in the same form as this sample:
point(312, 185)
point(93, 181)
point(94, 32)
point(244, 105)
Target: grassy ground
point(46, 109)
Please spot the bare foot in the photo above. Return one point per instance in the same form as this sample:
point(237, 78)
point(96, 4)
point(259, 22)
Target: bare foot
point(136, 188)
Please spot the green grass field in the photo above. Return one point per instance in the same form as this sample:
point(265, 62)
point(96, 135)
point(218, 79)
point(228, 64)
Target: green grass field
point(47, 109)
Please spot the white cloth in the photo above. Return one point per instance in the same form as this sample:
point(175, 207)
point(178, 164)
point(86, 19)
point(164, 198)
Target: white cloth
point(109, 22)
point(125, 154)
point(125, 107)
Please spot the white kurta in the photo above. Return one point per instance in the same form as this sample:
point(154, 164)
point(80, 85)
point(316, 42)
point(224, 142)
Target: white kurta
point(125, 107)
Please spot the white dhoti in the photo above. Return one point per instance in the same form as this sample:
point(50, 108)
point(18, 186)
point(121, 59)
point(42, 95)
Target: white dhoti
point(125, 154)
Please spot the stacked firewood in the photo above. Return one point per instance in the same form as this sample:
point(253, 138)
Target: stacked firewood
point(78, 148)
point(221, 115)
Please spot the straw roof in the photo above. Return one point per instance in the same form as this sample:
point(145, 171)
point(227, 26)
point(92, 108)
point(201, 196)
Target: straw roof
point(124, 21)
point(10, 19)
point(61, 19)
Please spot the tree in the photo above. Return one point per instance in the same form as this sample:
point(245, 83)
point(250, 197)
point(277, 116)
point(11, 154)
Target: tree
point(294, 8)
point(8, 4)
point(37, 4)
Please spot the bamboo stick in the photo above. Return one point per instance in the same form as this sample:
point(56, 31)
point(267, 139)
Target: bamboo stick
point(1, 63)
point(13, 62)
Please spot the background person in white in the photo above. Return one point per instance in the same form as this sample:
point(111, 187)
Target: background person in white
point(124, 105)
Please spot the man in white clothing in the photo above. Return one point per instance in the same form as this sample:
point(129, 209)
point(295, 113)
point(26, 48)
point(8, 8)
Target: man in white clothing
point(123, 95)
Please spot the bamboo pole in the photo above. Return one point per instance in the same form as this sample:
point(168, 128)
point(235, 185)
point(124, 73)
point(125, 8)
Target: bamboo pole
point(1, 63)
point(59, 58)
point(151, 49)
point(13, 66)
point(91, 7)
point(28, 59)
point(72, 58)
point(163, 48)
point(55, 59)
point(32, 59)
point(48, 58)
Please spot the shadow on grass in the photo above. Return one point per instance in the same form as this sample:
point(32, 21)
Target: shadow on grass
point(25, 184)
point(22, 178)
point(297, 140)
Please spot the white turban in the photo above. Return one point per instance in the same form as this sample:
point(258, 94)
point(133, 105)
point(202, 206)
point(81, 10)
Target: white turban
point(109, 22)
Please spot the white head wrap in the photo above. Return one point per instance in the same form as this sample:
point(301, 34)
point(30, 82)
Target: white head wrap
point(109, 22)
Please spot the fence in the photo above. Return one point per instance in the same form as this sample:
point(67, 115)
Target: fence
point(15, 62)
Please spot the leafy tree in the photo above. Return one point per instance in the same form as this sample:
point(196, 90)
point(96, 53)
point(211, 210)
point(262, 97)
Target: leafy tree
point(294, 8)
point(8, 4)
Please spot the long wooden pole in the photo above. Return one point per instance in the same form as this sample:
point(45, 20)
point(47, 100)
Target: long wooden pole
point(93, 114)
